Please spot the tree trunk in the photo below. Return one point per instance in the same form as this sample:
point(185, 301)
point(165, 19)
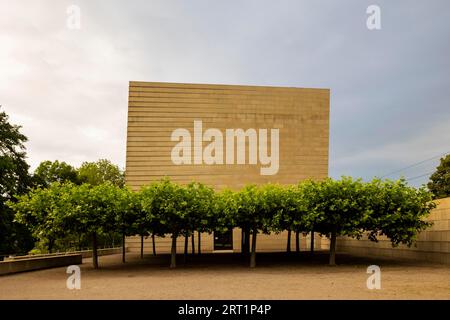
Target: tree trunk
point(199, 243)
point(173, 254)
point(94, 250)
point(312, 242)
point(242, 241)
point(253, 255)
point(153, 245)
point(193, 243)
point(123, 247)
point(50, 245)
point(245, 246)
point(297, 241)
point(80, 243)
point(333, 248)
point(186, 243)
point(288, 247)
point(247, 241)
point(142, 247)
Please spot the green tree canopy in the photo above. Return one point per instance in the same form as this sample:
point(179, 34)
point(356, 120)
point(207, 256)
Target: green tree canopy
point(339, 207)
point(290, 208)
point(43, 211)
point(224, 210)
point(396, 210)
point(439, 183)
point(101, 171)
point(127, 212)
point(199, 207)
point(290, 212)
point(256, 207)
point(49, 172)
point(344, 207)
point(95, 210)
point(168, 202)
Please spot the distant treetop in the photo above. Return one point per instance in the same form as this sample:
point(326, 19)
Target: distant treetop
point(439, 183)
point(48, 172)
point(99, 172)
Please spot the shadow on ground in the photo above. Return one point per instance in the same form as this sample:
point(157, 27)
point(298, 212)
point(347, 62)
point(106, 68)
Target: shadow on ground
point(226, 261)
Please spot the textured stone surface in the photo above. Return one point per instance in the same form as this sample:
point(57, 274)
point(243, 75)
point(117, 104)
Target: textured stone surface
point(156, 109)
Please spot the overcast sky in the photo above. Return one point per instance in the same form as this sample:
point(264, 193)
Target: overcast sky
point(390, 88)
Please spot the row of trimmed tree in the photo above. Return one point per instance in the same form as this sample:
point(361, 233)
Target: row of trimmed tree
point(333, 208)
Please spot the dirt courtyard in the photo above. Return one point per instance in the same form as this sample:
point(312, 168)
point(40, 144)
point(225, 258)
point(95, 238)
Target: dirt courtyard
point(226, 276)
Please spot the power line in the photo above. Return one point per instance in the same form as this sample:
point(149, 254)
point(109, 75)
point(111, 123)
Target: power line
point(415, 164)
point(417, 177)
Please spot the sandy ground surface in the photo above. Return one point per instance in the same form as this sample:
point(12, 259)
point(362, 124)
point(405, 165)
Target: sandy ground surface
point(226, 276)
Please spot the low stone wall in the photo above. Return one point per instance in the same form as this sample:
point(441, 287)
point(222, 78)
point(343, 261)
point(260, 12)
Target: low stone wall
point(432, 245)
point(84, 254)
point(29, 264)
point(102, 252)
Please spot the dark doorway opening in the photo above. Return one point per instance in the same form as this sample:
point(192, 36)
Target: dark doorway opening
point(223, 240)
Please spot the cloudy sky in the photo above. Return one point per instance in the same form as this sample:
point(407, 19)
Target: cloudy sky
point(390, 88)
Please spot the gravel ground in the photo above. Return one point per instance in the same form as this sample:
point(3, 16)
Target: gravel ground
point(226, 276)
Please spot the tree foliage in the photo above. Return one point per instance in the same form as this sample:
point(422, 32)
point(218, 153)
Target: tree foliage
point(344, 207)
point(339, 206)
point(101, 171)
point(396, 210)
point(439, 183)
point(14, 180)
point(42, 211)
point(49, 172)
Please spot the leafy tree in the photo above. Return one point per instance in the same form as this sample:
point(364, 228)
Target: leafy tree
point(168, 202)
point(42, 211)
point(93, 212)
point(143, 223)
point(148, 222)
point(255, 211)
point(308, 191)
point(126, 213)
point(63, 210)
point(49, 172)
point(350, 207)
point(224, 211)
point(199, 210)
point(396, 210)
point(439, 183)
point(291, 211)
point(244, 215)
point(306, 206)
point(99, 172)
point(14, 179)
point(338, 208)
